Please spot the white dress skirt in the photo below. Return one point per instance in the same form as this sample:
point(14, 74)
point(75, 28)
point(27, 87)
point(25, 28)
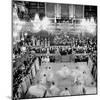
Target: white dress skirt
point(54, 90)
point(65, 93)
point(37, 90)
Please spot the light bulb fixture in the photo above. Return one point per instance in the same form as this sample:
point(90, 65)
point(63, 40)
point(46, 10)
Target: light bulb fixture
point(39, 25)
point(88, 25)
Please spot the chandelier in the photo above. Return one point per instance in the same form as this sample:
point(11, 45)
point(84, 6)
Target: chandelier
point(39, 25)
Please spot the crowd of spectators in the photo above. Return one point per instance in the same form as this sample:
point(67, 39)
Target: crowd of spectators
point(24, 53)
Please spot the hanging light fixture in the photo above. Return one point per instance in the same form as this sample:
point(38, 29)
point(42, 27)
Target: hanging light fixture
point(88, 25)
point(45, 23)
point(91, 27)
point(36, 23)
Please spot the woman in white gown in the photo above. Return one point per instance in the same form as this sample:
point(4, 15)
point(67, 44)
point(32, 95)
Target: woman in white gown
point(65, 92)
point(54, 90)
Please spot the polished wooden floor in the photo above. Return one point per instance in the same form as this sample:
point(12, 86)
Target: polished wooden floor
point(68, 81)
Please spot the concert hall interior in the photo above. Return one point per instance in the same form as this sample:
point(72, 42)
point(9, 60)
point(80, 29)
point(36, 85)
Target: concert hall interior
point(54, 49)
